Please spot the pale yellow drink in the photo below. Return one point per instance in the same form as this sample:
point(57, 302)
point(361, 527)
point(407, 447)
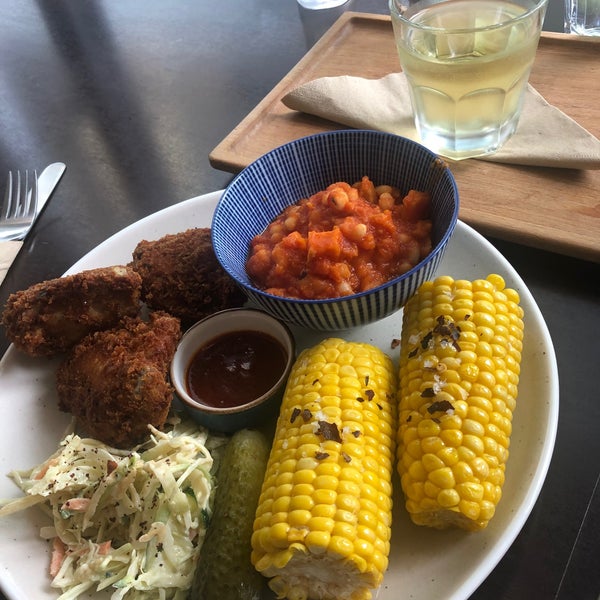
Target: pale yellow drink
point(468, 63)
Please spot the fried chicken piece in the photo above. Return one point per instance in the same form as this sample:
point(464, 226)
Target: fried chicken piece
point(115, 381)
point(182, 276)
point(50, 317)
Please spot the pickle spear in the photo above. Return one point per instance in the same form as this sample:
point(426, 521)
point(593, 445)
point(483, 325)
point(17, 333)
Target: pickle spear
point(224, 570)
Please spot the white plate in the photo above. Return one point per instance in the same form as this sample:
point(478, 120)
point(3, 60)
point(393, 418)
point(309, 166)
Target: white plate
point(424, 563)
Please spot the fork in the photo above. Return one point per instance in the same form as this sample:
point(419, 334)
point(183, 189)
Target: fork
point(20, 205)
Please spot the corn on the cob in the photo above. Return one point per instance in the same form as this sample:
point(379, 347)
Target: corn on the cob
point(322, 527)
point(459, 371)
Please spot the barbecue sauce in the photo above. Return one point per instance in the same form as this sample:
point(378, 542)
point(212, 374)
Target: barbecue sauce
point(235, 368)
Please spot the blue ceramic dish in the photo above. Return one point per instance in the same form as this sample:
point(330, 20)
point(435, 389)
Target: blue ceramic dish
point(303, 167)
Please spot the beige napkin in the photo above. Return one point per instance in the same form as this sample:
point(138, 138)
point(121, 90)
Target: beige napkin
point(8, 252)
point(545, 136)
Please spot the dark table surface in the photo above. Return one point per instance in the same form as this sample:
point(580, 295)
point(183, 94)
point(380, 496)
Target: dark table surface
point(133, 95)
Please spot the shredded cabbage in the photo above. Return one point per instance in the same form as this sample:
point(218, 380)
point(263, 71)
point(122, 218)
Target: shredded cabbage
point(130, 520)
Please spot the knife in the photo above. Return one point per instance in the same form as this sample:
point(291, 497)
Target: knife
point(47, 181)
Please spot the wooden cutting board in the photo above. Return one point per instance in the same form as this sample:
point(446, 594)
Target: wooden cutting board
point(552, 209)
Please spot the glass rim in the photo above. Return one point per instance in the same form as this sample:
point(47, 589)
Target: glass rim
point(395, 12)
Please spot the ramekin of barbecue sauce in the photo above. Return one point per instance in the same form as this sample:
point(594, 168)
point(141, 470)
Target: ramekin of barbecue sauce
point(230, 369)
point(235, 368)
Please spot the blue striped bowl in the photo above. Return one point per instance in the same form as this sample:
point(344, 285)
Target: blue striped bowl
point(303, 167)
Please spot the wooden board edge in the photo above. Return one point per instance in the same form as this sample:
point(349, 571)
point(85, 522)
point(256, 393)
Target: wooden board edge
point(569, 37)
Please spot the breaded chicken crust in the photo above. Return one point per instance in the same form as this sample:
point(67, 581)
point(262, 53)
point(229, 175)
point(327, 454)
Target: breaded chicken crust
point(182, 276)
point(115, 382)
point(50, 317)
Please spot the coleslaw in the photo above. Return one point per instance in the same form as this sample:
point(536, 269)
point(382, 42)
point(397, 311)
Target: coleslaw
point(133, 520)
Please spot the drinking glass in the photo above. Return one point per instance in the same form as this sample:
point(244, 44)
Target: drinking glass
point(318, 4)
point(582, 17)
point(467, 63)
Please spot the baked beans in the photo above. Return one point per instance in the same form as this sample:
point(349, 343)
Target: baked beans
point(342, 240)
